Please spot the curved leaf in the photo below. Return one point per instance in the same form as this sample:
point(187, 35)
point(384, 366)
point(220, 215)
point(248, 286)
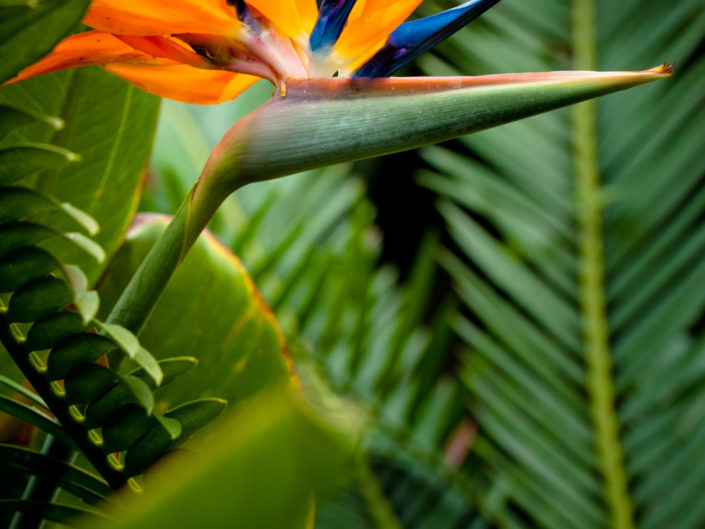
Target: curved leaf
point(70, 478)
point(110, 125)
point(19, 161)
point(12, 118)
point(29, 32)
point(230, 329)
point(16, 387)
point(258, 468)
point(35, 418)
point(54, 512)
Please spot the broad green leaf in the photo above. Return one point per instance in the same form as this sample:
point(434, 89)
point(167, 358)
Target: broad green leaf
point(29, 32)
point(110, 124)
point(210, 310)
point(258, 467)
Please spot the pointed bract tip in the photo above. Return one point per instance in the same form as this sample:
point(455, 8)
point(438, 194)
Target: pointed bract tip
point(663, 69)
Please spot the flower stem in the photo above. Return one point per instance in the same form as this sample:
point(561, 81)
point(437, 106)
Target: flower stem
point(140, 296)
point(591, 272)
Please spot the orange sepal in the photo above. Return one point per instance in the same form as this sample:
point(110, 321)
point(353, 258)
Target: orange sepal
point(308, 11)
point(294, 18)
point(184, 83)
point(157, 17)
point(166, 48)
point(82, 49)
point(369, 25)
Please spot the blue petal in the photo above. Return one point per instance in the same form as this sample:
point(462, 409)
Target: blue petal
point(413, 38)
point(332, 17)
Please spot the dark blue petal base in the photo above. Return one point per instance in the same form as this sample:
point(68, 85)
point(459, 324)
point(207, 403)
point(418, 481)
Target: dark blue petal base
point(413, 38)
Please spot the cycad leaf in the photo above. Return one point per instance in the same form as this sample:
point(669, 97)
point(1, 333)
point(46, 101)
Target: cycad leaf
point(12, 118)
point(64, 514)
point(70, 478)
point(26, 393)
point(34, 417)
point(284, 451)
point(548, 336)
point(20, 161)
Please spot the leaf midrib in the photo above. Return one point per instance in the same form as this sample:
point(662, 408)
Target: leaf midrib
point(591, 277)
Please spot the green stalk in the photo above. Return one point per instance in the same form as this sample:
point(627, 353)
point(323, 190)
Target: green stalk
point(592, 282)
point(142, 293)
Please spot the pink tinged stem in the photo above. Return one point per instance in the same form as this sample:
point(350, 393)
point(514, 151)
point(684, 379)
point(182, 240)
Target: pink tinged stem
point(284, 56)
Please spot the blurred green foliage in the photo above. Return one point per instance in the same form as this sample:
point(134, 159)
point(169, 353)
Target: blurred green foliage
point(474, 370)
point(470, 364)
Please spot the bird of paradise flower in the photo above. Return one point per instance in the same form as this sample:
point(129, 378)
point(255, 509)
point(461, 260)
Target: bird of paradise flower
point(210, 51)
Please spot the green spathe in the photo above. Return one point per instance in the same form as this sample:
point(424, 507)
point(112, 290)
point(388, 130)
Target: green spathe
point(326, 121)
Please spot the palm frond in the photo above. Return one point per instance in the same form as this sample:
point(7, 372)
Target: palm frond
point(514, 211)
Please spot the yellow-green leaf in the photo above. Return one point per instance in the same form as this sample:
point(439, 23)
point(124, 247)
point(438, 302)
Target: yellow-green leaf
point(210, 310)
point(257, 468)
